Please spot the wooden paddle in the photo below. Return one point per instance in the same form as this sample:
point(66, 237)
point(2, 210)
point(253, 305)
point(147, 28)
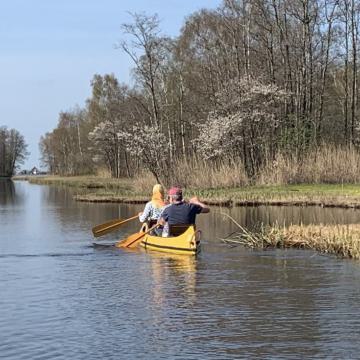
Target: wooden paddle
point(134, 239)
point(109, 226)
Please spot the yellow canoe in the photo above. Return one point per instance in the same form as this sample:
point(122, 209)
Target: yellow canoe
point(187, 243)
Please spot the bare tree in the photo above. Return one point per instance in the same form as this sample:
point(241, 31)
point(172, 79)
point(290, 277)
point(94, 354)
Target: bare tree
point(147, 50)
point(13, 151)
point(209, 82)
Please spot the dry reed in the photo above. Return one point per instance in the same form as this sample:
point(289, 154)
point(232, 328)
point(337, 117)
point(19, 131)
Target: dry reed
point(341, 240)
point(143, 182)
point(201, 174)
point(327, 164)
point(226, 183)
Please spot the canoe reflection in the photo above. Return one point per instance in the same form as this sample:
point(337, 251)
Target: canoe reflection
point(178, 270)
point(174, 262)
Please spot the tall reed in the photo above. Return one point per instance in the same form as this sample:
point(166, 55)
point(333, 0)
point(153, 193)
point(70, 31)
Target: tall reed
point(197, 173)
point(327, 164)
point(341, 240)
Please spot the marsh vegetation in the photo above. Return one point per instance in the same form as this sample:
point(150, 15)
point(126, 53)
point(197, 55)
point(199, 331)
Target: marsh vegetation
point(340, 240)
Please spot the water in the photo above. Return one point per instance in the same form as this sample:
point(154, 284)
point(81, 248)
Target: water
point(61, 297)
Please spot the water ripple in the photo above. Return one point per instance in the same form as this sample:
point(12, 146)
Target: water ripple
point(44, 255)
point(61, 298)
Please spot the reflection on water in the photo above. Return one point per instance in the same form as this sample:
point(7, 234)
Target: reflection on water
point(7, 192)
point(62, 298)
point(169, 268)
point(213, 225)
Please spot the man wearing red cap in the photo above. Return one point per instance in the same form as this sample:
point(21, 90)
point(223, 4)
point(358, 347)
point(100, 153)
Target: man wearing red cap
point(180, 212)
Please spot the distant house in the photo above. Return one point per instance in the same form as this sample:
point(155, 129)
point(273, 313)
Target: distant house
point(34, 171)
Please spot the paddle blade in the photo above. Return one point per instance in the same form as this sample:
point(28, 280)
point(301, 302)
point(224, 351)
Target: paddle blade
point(130, 240)
point(110, 226)
point(134, 239)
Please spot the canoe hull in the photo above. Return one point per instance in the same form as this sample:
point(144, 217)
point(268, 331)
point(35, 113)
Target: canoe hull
point(187, 243)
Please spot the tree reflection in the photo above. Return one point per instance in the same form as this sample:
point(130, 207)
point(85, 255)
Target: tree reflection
point(7, 192)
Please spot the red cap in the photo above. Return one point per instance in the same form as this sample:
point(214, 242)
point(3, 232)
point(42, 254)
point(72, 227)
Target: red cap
point(175, 190)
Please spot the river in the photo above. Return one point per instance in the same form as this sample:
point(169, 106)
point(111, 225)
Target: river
point(61, 297)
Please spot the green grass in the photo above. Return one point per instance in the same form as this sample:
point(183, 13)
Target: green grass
point(86, 184)
point(328, 194)
point(304, 192)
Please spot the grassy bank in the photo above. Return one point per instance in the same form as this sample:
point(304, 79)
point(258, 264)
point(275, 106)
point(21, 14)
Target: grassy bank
point(341, 240)
point(98, 189)
point(226, 183)
point(83, 183)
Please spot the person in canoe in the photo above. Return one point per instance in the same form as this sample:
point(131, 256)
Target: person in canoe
point(154, 207)
point(180, 212)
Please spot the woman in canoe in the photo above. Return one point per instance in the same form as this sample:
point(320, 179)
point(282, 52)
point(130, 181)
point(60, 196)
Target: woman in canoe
point(154, 208)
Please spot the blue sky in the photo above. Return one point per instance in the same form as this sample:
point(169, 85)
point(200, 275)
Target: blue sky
point(50, 50)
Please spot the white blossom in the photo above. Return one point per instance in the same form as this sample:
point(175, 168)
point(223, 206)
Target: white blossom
point(244, 109)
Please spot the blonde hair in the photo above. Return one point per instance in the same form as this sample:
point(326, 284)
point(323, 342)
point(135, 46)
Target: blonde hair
point(158, 196)
point(158, 189)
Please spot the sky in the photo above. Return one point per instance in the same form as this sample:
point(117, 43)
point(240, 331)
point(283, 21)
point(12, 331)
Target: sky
point(50, 50)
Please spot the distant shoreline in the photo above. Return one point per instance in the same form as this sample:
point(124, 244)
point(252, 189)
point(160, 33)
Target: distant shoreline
point(106, 190)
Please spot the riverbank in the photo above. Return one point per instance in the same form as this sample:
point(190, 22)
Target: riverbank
point(342, 240)
point(97, 189)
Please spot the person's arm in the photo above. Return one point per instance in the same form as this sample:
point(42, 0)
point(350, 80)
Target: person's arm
point(143, 216)
point(163, 217)
point(204, 208)
point(161, 221)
